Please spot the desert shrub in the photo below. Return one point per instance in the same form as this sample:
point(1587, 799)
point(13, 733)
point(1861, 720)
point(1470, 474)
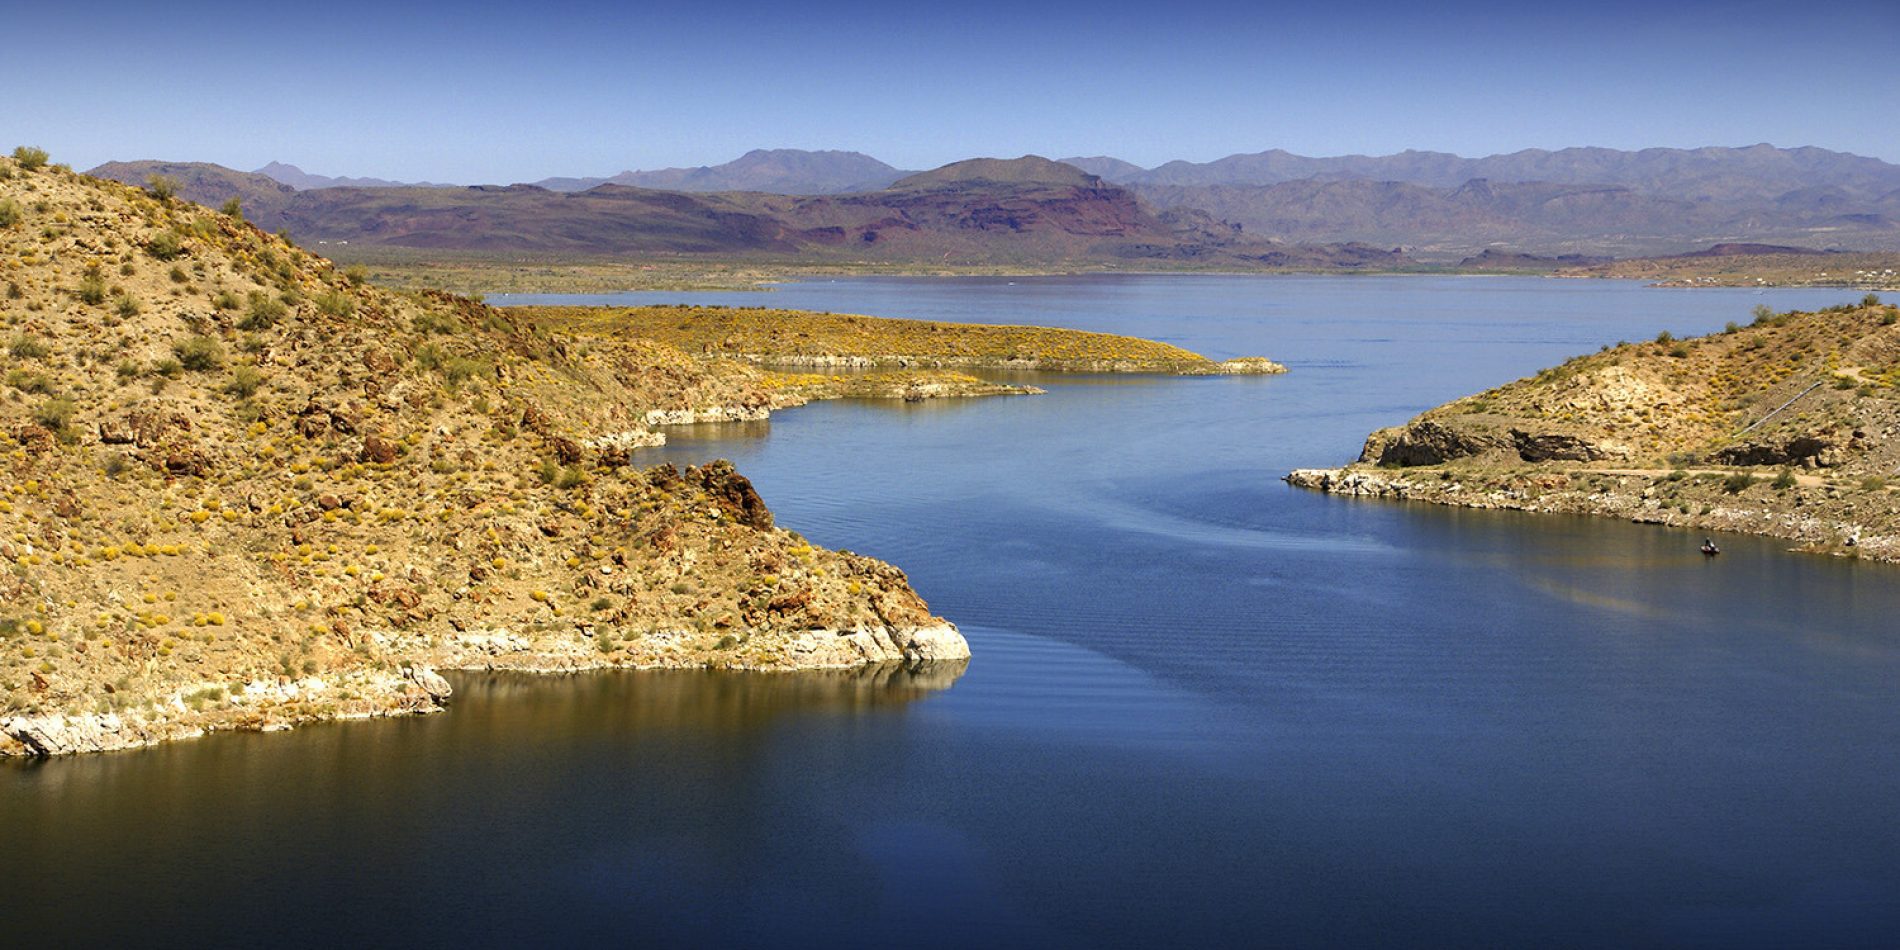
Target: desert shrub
point(429, 356)
point(1731, 327)
point(27, 347)
point(1871, 300)
point(1783, 481)
point(198, 353)
point(161, 187)
point(10, 213)
point(225, 300)
point(1889, 318)
point(126, 305)
point(570, 478)
point(55, 413)
point(1737, 483)
point(92, 289)
point(264, 312)
point(335, 303)
point(245, 381)
point(433, 323)
point(234, 207)
point(459, 369)
point(1679, 351)
point(356, 275)
point(165, 245)
point(1873, 483)
point(29, 157)
point(1763, 314)
point(1665, 337)
point(29, 382)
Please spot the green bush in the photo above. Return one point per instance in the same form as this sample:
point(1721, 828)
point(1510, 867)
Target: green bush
point(225, 300)
point(1737, 483)
point(55, 413)
point(165, 245)
point(161, 187)
point(264, 313)
point(92, 289)
point(434, 323)
point(335, 303)
point(199, 353)
point(1783, 481)
point(1665, 337)
point(1871, 300)
point(29, 158)
point(29, 382)
point(27, 347)
point(245, 381)
point(233, 207)
point(10, 213)
point(1763, 313)
point(460, 369)
point(126, 305)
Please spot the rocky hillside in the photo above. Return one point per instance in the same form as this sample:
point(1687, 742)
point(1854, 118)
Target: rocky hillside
point(1789, 426)
point(239, 488)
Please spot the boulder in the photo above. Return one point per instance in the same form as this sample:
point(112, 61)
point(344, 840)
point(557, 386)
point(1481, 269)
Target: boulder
point(431, 683)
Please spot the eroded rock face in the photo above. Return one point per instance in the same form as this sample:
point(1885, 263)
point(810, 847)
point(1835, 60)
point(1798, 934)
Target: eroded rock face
point(1820, 450)
point(1427, 443)
point(734, 494)
point(1561, 447)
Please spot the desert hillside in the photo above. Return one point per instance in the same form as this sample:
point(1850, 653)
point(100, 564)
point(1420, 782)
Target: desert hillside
point(240, 488)
point(1789, 426)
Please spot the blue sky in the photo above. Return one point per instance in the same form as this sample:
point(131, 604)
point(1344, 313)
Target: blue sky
point(505, 91)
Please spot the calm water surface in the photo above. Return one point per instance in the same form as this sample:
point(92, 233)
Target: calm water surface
point(1205, 709)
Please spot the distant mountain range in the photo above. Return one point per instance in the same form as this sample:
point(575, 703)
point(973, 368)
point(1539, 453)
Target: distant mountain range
point(783, 171)
point(1027, 211)
point(304, 181)
point(1590, 201)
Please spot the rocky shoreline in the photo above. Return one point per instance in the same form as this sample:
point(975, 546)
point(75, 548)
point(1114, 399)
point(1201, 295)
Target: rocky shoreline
point(1241, 366)
point(418, 689)
point(1815, 518)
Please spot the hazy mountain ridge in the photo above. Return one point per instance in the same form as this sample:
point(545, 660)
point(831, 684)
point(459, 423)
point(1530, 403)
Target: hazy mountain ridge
point(1758, 171)
point(775, 171)
point(987, 211)
point(1590, 201)
point(304, 181)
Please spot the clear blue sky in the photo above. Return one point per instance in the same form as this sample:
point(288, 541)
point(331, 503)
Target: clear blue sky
point(507, 91)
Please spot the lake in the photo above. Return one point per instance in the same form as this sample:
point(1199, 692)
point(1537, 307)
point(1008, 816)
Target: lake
point(1203, 709)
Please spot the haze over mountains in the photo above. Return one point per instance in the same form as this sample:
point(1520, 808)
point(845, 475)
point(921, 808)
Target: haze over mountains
point(1027, 211)
point(1436, 205)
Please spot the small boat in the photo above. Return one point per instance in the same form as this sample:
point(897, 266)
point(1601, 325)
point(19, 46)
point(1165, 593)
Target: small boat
point(1709, 549)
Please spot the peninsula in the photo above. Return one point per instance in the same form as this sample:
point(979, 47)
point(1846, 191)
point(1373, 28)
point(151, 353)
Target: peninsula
point(1788, 427)
point(243, 488)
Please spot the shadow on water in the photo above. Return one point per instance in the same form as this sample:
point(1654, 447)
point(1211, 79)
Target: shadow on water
point(623, 794)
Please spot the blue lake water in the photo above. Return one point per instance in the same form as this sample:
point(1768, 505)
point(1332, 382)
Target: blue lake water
point(1204, 708)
